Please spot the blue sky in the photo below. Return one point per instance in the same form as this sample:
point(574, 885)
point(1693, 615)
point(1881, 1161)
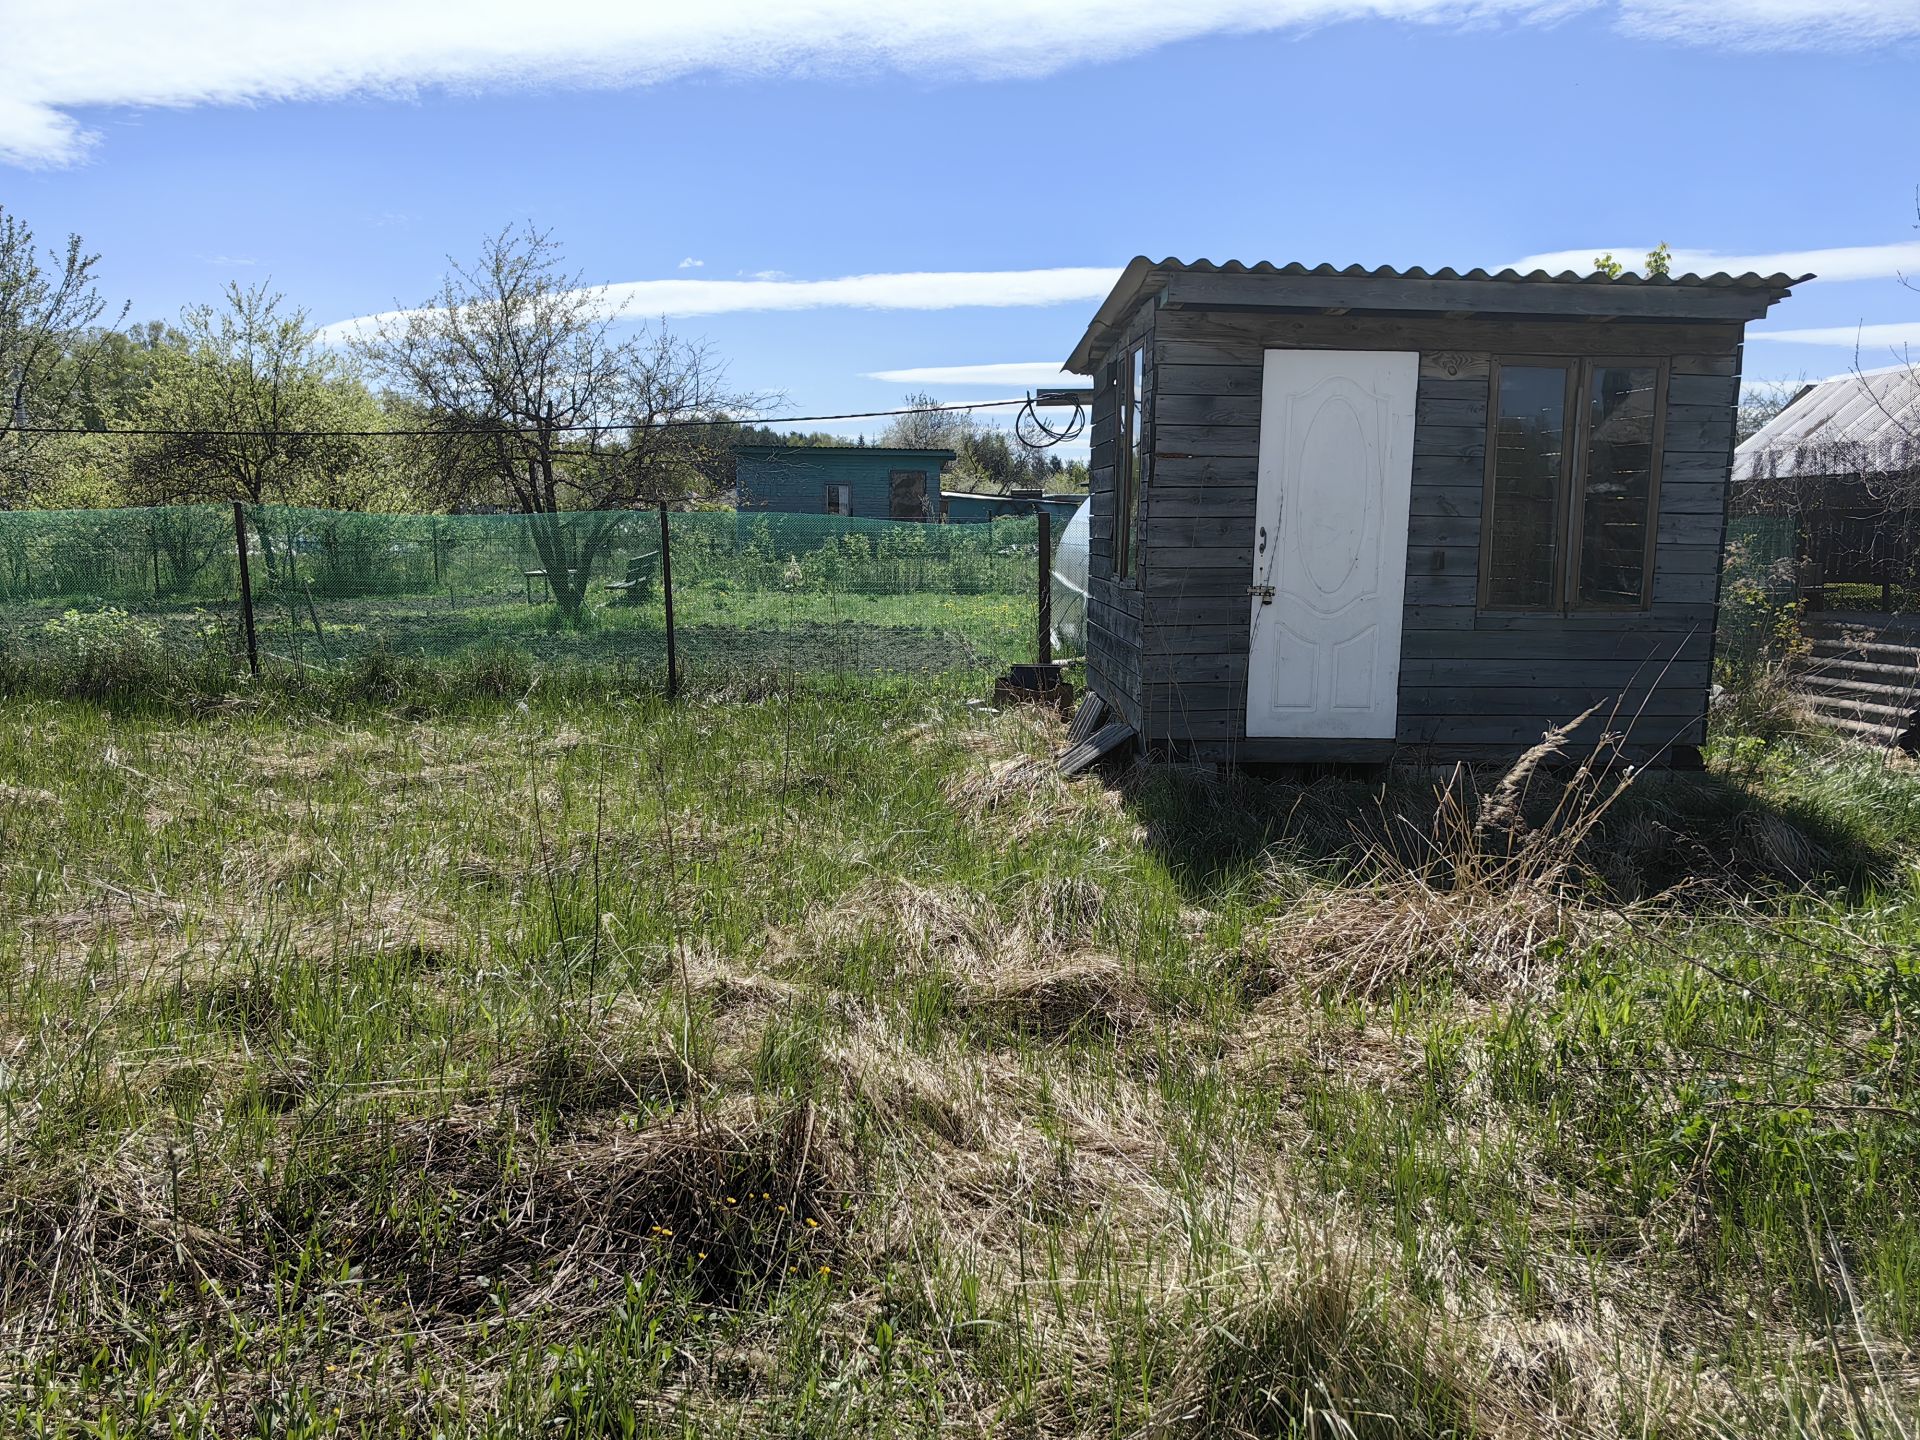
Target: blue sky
point(344, 151)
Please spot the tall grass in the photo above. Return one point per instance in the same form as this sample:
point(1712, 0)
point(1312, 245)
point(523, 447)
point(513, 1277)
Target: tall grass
point(822, 1064)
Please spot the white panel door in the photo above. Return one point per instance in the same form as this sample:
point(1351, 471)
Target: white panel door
point(1330, 543)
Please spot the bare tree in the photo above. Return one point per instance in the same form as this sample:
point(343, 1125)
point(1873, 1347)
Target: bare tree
point(533, 393)
point(1761, 401)
point(47, 314)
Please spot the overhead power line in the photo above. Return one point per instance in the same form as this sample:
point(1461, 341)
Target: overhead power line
point(578, 427)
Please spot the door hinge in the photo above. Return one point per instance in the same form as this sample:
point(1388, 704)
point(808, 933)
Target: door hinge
point(1265, 592)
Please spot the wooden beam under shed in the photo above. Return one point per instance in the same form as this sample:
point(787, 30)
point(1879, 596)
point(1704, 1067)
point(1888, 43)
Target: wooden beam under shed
point(1103, 742)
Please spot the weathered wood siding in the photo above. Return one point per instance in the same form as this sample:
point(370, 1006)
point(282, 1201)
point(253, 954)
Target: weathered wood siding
point(1472, 685)
point(1114, 607)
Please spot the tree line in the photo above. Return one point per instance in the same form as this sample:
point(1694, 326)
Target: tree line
point(514, 386)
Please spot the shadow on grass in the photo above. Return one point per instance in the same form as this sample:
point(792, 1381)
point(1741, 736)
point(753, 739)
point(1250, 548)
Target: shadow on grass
point(1220, 832)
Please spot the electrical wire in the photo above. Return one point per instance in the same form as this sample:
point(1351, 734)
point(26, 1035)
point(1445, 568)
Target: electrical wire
point(594, 427)
point(1027, 423)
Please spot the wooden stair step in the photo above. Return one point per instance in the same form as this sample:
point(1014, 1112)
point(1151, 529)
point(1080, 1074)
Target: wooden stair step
point(1838, 665)
point(1861, 642)
point(1827, 683)
point(1862, 729)
point(1874, 653)
point(1897, 715)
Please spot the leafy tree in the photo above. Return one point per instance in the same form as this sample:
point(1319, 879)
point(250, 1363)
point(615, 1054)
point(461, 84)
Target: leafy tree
point(249, 399)
point(47, 314)
point(989, 459)
point(112, 371)
point(532, 394)
point(1659, 261)
point(926, 426)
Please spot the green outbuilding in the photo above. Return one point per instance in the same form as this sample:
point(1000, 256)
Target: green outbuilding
point(871, 482)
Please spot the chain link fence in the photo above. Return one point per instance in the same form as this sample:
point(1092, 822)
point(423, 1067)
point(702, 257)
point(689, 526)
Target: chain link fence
point(753, 595)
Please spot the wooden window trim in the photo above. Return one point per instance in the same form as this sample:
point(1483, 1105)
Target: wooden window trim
point(1124, 479)
point(1565, 586)
point(1556, 587)
point(1577, 486)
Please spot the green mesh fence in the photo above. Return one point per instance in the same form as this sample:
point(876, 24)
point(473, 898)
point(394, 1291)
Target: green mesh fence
point(1758, 607)
point(754, 594)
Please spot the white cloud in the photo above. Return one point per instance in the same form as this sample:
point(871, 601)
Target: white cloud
point(691, 264)
point(1020, 375)
point(915, 290)
point(1842, 262)
point(62, 55)
point(1773, 24)
point(1871, 339)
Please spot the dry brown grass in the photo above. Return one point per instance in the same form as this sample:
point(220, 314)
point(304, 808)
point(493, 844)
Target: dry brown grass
point(1496, 880)
point(729, 1196)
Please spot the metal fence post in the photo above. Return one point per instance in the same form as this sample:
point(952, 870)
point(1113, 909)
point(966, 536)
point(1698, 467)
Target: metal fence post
point(246, 588)
point(1044, 648)
point(666, 587)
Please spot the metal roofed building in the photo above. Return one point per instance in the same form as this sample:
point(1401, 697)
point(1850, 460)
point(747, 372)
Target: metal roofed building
point(1841, 462)
point(872, 482)
point(1348, 514)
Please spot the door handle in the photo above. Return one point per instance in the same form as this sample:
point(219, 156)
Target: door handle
point(1263, 539)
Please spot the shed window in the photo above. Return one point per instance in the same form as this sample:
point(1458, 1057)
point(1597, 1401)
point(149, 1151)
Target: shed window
point(839, 499)
point(1572, 482)
point(1129, 463)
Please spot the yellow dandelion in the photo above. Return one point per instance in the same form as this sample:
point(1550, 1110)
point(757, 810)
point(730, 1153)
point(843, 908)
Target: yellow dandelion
point(826, 1269)
point(812, 1224)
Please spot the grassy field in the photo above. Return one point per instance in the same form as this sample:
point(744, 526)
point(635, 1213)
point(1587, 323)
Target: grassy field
point(755, 596)
point(722, 636)
point(826, 1066)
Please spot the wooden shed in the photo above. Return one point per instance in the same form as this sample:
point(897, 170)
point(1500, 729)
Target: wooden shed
point(874, 482)
point(1347, 514)
point(1841, 464)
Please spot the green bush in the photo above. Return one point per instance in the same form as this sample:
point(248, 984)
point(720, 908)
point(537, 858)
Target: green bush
point(96, 654)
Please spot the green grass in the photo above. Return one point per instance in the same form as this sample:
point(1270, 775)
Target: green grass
point(819, 1064)
point(723, 635)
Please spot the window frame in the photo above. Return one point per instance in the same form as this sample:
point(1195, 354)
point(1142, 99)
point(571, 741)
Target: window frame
point(843, 490)
point(1130, 381)
point(1570, 529)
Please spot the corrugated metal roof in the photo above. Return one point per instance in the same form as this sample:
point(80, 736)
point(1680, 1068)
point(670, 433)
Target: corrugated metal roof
point(1143, 275)
point(763, 450)
point(1719, 279)
point(1864, 423)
